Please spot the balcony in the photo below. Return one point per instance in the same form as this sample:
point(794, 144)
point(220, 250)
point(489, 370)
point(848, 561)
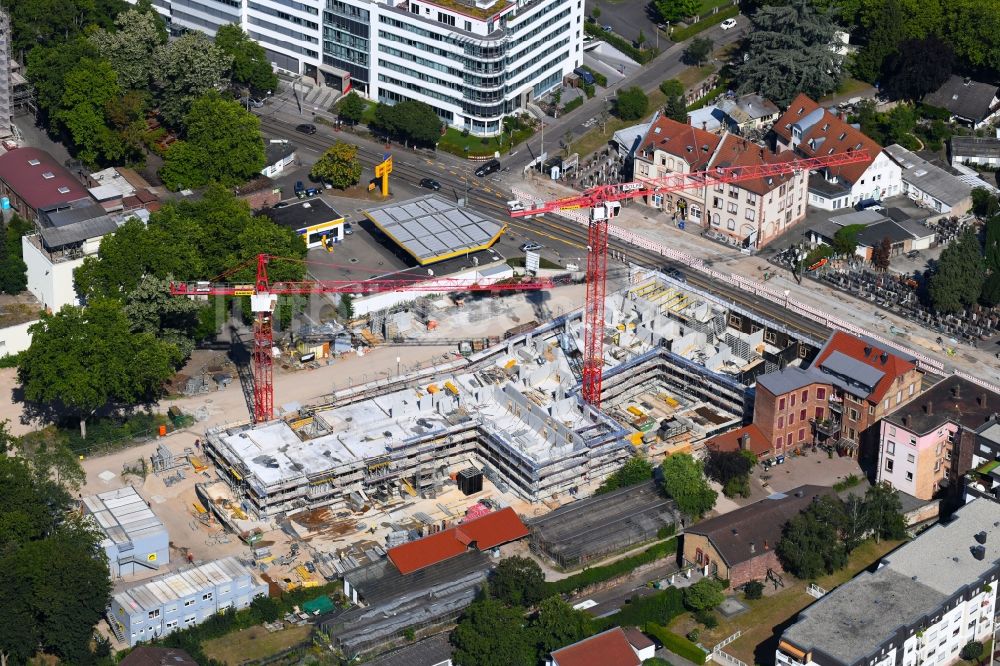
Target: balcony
point(828, 427)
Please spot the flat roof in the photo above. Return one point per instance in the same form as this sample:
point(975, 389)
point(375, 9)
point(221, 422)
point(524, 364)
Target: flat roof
point(155, 593)
point(431, 228)
point(929, 178)
point(856, 619)
point(302, 214)
point(123, 515)
point(975, 146)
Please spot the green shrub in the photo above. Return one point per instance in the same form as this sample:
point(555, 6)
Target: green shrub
point(707, 618)
point(573, 104)
point(659, 608)
point(753, 589)
point(693, 635)
point(9, 360)
point(598, 77)
point(589, 89)
point(676, 644)
point(600, 574)
point(681, 34)
point(848, 481)
point(666, 531)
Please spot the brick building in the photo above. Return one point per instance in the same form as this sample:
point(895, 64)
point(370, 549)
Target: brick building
point(839, 399)
point(34, 182)
point(739, 546)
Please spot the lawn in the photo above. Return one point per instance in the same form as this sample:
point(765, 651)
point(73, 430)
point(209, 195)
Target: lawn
point(253, 643)
point(848, 88)
point(768, 617)
point(709, 5)
point(453, 142)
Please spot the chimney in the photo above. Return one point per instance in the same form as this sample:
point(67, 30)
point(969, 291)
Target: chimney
point(744, 441)
point(735, 531)
point(981, 537)
point(753, 548)
point(929, 408)
point(981, 400)
point(956, 390)
point(906, 420)
point(690, 119)
point(868, 351)
point(704, 125)
point(979, 552)
point(884, 357)
point(765, 544)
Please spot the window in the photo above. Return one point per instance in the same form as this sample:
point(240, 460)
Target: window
point(781, 422)
point(821, 394)
point(171, 624)
point(189, 619)
point(791, 418)
point(871, 410)
point(781, 403)
point(750, 215)
point(802, 415)
point(888, 464)
point(207, 596)
point(802, 434)
point(715, 220)
point(751, 198)
point(781, 439)
point(732, 207)
point(805, 395)
point(154, 613)
point(890, 448)
point(819, 413)
point(911, 390)
point(468, 26)
point(792, 400)
point(909, 476)
point(854, 414)
point(731, 224)
point(189, 602)
point(910, 458)
point(716, 202)
point(447, 19)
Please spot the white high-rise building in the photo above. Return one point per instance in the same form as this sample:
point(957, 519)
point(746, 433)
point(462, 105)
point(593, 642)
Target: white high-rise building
point(473, 61)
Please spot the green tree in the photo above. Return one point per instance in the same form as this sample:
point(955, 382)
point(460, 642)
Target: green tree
point(676, 10)
point(991, 251)
point(52, 570)
point(53, 22)
point(84, 360)
point(731, 469)
point(339, 166)
point(345, 307)
point(972, 651)
point(409, 121)
point(909, 74)
point(147, 7)
point(960, 274)
point(990, 295)
point(704, 595)
point(885, 513)
point(558, 624)
point(88, 87)
point(635, 470)
point(251, 67)
point(788, 52)
point(596, 13)
point(151, 309)
point(698, 51)
point(184, 70)
point(351, 108)
point(491, 634)
point(984, 203)
point(675, 106)
point(223, 144)
point(810, 544)
point(882, 30)
point(130, 47)
point(857, 522)
point(631, 103)
point(845, 240)
point(13, 270)
point(684, 481)
point(49, 455)
point(517, 581)
point(974, 31)
point(47, 69)
point(753, 589)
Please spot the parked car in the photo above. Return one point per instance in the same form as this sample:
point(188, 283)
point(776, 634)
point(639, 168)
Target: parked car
point(608, 28)
point(865, 204)
point(348, 229)
point(585, 76)
point(531, 247)
point(430, 184)
point(728, 24)
point(306, 128)
point(489, 167)
point(301, 191)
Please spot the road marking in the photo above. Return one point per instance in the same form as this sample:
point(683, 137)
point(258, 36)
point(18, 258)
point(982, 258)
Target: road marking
point(536, 232)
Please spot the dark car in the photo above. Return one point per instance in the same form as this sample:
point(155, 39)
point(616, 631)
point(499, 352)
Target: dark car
point(676, 274)
point(300, 189)
point(430, 184)
point(306, 128)
point(348, 229)
point(490, 167)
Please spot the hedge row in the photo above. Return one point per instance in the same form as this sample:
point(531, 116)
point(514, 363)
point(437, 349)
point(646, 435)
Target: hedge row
point(708, 98)
point(659, 608)
point(641, 56)
point(609, 571)
point(572, 104)
point(679, 645)
point(680, 34)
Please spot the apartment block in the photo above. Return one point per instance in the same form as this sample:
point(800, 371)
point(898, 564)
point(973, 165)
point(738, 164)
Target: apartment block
point(928, 443)
point(812, 131)
point(983, 480)
point(752, 212)
point(926, 600)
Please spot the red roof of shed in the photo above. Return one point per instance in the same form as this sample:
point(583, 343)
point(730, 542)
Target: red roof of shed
point(25, 170)
point(484, 533)
point(609, 648)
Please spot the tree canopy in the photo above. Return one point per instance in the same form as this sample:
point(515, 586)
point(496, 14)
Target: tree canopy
point(731, 469)
point(492, 634)
point(704, 595)
point(631, 103)
point(810, 544)
point(351, 108)
point(909, 73)
point(52, 570)
point(410, 121)
point(339, 166)
point(129, 48)
point(557, 625)
point(961, 271)
point(635, 470)
point(676, 10)
point(698, 50)
point(518, 581)
point(13, 270)
point(684, 481)
point(222, 144)
point(251, 68)
point(84, 360)
point(675, 106)
point(788, 52)
point(184, 70)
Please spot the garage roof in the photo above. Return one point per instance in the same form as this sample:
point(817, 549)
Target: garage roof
point(432, 229)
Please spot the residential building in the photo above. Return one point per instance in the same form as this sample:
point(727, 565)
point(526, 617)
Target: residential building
point(34, 182)
point(976, 150)
point(63, 240)
point(930, 185)
point(751, 212)
point(812, 131)
point(278, 154)
point(739, 546)
point(922, 443)
point(613, 647)
point(838, 399)
point(182, 599)
point(926, 601)
point(146, 655)
point(969, 102)
point(904, 233)
point(313, 219)
point(749, 113)
point(708, 118)
point(135, 540)
point(984, 478)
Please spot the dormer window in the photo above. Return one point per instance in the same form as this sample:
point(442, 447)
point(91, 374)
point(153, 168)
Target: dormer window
point(48, 175)
point(34, 162)
point(857, 147)
point(842, 136)
point(801, 109)
point(830, 152)
point(826, 127)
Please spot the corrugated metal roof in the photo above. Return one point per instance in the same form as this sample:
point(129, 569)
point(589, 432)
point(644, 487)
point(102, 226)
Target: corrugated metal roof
point(155, 593)
point(123, 515)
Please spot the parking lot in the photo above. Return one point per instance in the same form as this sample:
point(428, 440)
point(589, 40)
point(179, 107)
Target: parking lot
point(626, 18)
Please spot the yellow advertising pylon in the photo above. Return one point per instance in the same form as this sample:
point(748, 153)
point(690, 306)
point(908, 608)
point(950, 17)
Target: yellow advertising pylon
point(382, 171)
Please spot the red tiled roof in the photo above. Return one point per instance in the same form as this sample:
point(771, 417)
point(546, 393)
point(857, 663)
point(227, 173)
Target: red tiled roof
point(737, 151)
point(730, 441)
point(487, 532)
point(681, 140)
point(608, 648)
point(29, 182)
point(829, 128)
point(849, 345)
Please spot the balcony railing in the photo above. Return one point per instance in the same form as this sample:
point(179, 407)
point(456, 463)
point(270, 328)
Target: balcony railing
point(828, 427)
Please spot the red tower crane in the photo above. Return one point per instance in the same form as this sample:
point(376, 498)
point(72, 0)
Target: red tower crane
point(263, 295)
point(603, 202)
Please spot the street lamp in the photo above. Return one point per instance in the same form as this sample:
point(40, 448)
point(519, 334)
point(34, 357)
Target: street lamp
point(397, 365)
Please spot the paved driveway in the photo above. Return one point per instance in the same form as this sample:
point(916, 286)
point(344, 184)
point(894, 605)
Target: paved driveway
point(627, 17)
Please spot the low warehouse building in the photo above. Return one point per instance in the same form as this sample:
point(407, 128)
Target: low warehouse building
point(740, 546)
point(135, 539)
point(182, 599)
point(314, 220)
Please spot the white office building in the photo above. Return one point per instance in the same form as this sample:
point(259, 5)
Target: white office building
point(473, 61)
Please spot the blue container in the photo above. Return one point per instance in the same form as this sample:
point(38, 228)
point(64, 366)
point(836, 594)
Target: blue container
point(5, 203)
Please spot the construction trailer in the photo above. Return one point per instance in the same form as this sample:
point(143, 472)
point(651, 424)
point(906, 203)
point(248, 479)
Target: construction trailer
point(135, 540)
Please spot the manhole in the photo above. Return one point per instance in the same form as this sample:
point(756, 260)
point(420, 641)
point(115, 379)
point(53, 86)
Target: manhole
point(353, 260)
